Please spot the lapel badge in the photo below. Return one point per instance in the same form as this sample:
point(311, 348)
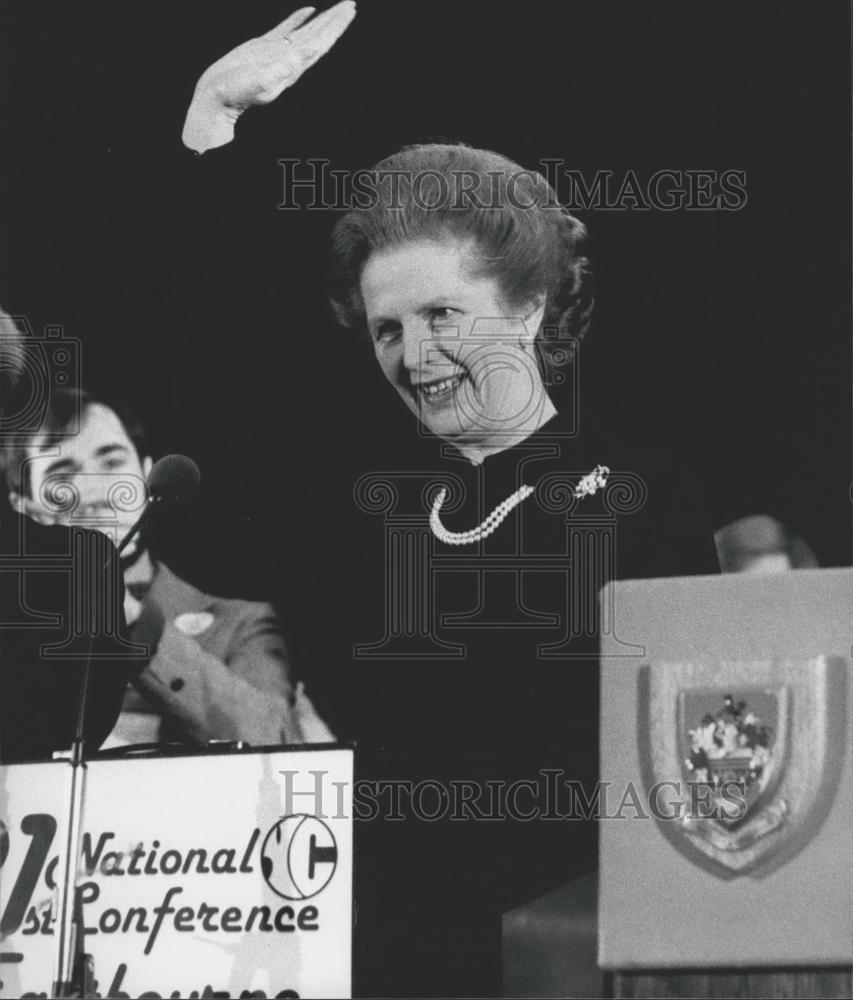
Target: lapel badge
point(193, 622)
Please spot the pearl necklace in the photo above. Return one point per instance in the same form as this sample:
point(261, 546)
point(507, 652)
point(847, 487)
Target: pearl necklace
point(482, 530)
point(586, 487)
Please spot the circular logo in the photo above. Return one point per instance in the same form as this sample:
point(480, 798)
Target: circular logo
point(299, 856)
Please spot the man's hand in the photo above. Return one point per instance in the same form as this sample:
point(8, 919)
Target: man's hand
point(257, 71)
point(132, 607)
point(314, 730)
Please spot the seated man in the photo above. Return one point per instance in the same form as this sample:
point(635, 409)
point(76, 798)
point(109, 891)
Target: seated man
point(61, 595)
point(218, 668)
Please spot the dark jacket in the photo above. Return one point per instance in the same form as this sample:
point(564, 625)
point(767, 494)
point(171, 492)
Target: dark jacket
point(455, 666)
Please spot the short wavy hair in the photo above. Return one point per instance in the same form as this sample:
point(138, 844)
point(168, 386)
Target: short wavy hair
point(527, 241)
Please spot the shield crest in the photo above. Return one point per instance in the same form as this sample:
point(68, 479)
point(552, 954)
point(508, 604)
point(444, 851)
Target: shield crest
point(756, 748)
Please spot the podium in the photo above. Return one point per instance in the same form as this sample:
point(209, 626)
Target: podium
point(208, 873)
point(725, 865)
point(550, 950)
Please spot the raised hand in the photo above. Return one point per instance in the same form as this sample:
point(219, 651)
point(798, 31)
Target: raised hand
point(257, 71)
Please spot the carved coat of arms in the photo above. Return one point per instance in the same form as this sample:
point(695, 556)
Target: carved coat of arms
point(757, 749)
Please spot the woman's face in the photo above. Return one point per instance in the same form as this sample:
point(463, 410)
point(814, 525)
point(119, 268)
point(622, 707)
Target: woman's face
point(444, 338)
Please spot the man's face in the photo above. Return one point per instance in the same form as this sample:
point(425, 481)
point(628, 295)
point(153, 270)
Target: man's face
point(94, 478)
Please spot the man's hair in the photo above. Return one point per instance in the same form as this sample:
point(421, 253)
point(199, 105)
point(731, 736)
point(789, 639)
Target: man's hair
point(64, 406)
point(12, 356)
point(748, 538)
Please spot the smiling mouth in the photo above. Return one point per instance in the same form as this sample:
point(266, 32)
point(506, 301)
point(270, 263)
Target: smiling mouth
point(439, 389)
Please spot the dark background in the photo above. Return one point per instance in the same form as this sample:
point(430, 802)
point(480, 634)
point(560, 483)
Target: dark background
point(726, 334)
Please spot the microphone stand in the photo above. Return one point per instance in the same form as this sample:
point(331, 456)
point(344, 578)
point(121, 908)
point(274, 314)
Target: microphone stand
point(141, 521)
point(70, 931)
point(74, 969)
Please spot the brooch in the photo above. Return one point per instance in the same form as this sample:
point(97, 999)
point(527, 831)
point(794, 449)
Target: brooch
point(592, 481)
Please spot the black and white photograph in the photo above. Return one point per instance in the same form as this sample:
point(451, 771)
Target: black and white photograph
point(426, 499)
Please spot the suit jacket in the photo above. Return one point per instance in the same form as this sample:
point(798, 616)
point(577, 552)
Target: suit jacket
point(219, 669)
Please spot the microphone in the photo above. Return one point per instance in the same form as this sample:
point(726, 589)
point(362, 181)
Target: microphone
point(174, 479)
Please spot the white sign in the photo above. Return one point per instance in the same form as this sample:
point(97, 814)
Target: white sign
point(223, 875)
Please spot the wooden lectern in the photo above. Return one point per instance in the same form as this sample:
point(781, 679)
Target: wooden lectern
point(726, 804)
